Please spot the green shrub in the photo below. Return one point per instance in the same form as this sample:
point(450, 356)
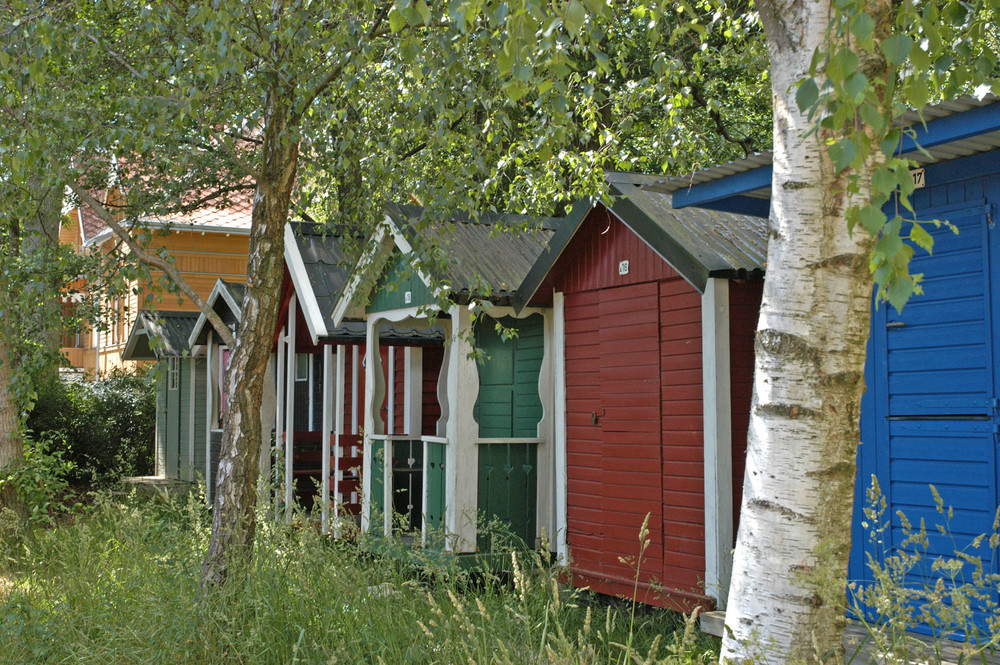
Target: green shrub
point(39, 479)
point(108, 425)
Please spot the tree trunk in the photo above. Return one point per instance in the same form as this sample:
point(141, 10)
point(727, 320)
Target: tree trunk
point(787, 598)
point(233, 519)
point(11, 446)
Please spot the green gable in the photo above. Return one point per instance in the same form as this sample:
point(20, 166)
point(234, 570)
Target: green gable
point(399, 278)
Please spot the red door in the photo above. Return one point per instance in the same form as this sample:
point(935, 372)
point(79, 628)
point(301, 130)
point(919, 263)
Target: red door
point(613, 432)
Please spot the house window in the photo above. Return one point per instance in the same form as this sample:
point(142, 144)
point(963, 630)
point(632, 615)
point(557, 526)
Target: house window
point(301, 366)
point(173, 373)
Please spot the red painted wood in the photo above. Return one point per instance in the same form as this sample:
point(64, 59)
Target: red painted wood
point(431, 413)
point(399, 390)
point(744, 309)
point(592, 258)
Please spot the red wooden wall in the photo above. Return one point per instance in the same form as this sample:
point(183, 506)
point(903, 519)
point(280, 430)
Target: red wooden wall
point(431, 411)
point(744, 308)
point(634, 412)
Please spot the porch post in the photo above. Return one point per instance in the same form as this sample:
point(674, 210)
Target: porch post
point(279, 415)
point(718, 452)
point(462, 466)
point(290, 410)
point(338, 430)
point(209, 414)
point(559, 447)
point(327, 432)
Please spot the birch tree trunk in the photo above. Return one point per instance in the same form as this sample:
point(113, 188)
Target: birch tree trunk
point(787, 598)
point(11, 448)
point(233, 517)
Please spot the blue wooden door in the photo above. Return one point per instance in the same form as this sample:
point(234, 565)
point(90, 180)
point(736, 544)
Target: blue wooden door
point(930, 414)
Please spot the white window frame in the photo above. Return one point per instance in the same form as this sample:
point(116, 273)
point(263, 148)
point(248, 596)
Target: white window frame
point(173, 373)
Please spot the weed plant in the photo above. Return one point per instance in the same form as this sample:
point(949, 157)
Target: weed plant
point(953, 597)
point(120, 584)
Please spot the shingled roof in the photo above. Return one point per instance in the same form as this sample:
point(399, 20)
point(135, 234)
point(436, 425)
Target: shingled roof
point(159, 334)
point(492, 252)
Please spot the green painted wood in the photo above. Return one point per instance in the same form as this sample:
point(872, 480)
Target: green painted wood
point(161, 417)
point(200, 404)
point(397, 279)
point(508, 490)
point(508, 404)
point(377, 488)
point(407, 484)
point(435, 508)
point(173, 436)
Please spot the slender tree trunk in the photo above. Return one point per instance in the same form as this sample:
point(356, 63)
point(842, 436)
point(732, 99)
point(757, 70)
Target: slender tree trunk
point(11, 446)
point(787, 598)
point(233, 519)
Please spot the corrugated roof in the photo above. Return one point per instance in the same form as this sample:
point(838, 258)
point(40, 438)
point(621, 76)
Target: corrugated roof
point(159, 334)
point(721, 242)
point(495, 250)
point(960, 148)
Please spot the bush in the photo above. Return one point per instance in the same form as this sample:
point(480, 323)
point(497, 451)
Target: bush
point(39, 479)
point(107, 426)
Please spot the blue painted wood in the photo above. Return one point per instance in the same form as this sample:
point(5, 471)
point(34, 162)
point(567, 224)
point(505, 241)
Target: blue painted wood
point(929, 415)
point(713, 190)
point(726, 193)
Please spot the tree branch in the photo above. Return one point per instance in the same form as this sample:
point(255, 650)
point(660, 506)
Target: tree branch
point(156, 262)
point(334, 73)
point(698, 95)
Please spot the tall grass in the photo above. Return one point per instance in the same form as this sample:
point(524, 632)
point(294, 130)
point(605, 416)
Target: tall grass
point(120, 585)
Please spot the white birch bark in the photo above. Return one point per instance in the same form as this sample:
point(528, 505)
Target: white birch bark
point(786, 601)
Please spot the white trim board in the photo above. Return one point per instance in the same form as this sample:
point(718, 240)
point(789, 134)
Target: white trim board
point(303, 287)
point(718, 439)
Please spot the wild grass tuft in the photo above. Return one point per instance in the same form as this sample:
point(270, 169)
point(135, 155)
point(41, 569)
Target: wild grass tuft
point(121, 585)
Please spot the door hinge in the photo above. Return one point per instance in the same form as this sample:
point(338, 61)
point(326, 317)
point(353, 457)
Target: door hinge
point(991, 214)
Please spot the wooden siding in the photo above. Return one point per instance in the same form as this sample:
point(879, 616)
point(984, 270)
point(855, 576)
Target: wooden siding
point(431, 411)
point(592, 259)
point(929, 414)
point(398, 278)
point(744, 309)
point(634, 417)
point(399, 390)
point(200, 399)
point(508, 404)
point(202, 258)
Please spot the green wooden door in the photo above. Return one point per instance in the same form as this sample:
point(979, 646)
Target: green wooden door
point(508, 407)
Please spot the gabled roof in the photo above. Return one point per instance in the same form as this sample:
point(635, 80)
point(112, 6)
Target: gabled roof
point(319, 268)
point(225, 298)
point(954, 128)
point(698, 244)
point(493, 252)
point(157, 334)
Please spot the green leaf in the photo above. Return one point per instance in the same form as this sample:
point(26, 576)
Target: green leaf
point(921, 238)
point(575, 16)
point(862, 26)
point(843, 153)
point(807, 94)
point(872, 219)
point(897, 48)
point(855, 86)
point(396, 20)
point(900, 291)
